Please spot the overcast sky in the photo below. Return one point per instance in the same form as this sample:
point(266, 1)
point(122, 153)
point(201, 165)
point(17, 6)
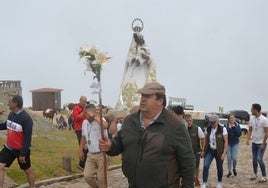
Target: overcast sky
point(213, 53)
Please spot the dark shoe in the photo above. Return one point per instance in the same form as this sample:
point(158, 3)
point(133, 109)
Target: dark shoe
point(234, 171)
point(229, 174)
point(254, 177)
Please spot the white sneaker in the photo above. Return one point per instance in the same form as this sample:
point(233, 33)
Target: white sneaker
point(204, 185)
point(262, 180)
point(219, 185)
point(254, 177)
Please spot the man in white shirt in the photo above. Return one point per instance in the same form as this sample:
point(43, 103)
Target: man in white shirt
point(91, 133)
point(258, 129)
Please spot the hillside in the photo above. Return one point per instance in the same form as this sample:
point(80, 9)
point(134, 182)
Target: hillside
point(49, 146)
point(40, 124)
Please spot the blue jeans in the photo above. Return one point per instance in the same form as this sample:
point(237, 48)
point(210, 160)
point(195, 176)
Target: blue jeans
point(232, 156)
point(207, 161)
point(257, 157)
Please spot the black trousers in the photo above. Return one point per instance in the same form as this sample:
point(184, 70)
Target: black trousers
point(81, 163)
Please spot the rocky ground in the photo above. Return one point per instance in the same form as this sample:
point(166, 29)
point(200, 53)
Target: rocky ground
point(117, 180)
point(244, 169)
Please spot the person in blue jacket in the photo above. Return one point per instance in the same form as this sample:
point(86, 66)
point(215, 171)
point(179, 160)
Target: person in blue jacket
point(234, 132)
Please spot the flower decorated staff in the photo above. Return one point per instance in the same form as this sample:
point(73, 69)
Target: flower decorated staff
point(94, 59)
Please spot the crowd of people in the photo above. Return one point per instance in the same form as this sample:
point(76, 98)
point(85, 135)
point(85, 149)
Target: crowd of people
point(158, 147)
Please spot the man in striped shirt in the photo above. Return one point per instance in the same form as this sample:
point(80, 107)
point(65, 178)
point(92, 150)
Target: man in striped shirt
point(19, 126)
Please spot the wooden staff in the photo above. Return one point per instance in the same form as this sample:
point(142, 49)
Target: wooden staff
point(102, 136)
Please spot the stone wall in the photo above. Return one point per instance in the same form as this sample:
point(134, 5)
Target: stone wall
point(10, 87)
point(7, 88)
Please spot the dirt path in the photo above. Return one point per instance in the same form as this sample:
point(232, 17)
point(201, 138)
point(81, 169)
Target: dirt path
point(244, 168)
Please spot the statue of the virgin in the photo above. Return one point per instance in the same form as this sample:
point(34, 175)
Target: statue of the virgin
point(139, 69)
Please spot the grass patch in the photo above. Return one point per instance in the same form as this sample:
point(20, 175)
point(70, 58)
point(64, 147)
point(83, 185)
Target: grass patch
point(49, 145)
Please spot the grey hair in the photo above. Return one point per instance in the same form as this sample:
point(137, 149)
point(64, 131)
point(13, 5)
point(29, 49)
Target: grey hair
point(188, 116)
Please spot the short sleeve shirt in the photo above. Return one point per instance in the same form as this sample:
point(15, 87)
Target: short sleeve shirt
point(200, 133)
point(92, 133)
point(258, 125)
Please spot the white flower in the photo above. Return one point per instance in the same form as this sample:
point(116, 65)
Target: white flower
point(93, 59)
point(101, 58)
